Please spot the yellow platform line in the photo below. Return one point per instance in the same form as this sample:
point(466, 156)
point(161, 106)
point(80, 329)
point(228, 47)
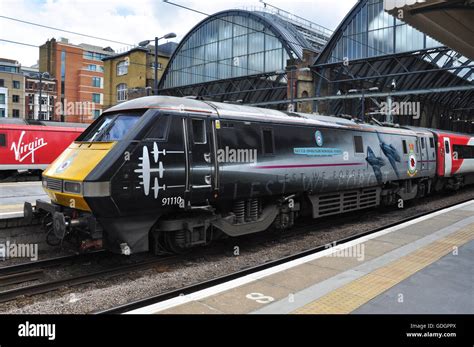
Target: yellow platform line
point(349, 297)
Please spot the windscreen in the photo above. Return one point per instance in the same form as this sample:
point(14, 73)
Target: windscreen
point(112, 127)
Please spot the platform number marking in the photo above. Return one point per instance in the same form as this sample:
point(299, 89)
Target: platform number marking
point(260, 298)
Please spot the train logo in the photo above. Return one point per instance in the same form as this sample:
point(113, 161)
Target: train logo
point(411, 161)
point(319, 138)
point(23, 150)
point(66, 163)
point(145, 169)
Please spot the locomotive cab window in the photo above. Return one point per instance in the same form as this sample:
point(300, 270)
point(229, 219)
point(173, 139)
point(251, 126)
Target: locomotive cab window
point(358, 144)
point(199, 130)
point(111, 127)
point(3, 140)
point(267, 139)
point(159, 130)
point(404, 144)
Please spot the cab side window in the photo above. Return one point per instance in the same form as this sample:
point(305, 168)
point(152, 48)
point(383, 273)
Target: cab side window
point(159, 131)
point(199, 130)
point(3, 140)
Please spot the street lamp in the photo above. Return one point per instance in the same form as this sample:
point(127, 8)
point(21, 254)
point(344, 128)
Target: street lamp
point(146, 43)
point(41, 75)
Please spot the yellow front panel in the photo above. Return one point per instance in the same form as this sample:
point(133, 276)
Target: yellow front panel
point(78, 160)
point(74, 164)
point(70, 200)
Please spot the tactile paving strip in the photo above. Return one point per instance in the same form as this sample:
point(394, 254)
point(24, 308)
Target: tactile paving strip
point(349, 297)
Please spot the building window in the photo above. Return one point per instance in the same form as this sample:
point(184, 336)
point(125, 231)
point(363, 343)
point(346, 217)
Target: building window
point(93, 55)
point(122, 92)
point(92, 67)
point(16, 113)
point(2, 99)
point(96, 114)
point(2, 112)
point(160, 65)
point(122, 68)
point(15, 98)
point(88, 55)
point(96, 82)
point(16, 84)
point(63, 67)
point(96, 98)
point(9, 69)
point(2, 83)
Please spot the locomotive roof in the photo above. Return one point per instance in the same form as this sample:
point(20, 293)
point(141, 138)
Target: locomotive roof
point(438, 131)
point(249, 113)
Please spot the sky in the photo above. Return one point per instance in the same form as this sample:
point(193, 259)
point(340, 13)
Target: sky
point(130, 22)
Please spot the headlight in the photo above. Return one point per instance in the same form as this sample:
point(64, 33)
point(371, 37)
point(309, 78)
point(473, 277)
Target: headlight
point(96, 189)
point(72, 187)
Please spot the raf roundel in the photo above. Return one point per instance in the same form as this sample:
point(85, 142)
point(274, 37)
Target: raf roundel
point(319, 138)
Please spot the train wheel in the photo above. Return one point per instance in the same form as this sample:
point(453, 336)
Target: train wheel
point(175, 242)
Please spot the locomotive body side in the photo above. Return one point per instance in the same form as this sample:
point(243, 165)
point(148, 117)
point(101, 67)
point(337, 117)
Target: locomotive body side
point(166, 174)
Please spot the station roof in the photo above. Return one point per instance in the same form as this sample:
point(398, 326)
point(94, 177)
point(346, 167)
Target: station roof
point(450, 22)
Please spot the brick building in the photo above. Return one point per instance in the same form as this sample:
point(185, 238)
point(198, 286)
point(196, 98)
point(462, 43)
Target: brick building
point(79, 72)
point(12, 89)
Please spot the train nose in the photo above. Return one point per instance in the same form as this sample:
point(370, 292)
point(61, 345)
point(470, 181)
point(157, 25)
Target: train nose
point(64, 179)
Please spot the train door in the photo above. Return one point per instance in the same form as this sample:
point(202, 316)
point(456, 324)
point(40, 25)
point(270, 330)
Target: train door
point(200, 158)
point(447, 157)
point(424, 153)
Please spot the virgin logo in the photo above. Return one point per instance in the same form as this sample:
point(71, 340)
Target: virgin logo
point(23, 150)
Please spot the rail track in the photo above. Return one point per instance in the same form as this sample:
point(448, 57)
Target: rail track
point(11, 275)
point(250, 270)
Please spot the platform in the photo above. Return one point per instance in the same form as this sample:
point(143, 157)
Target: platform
point(13, 195)
point(421, 266)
